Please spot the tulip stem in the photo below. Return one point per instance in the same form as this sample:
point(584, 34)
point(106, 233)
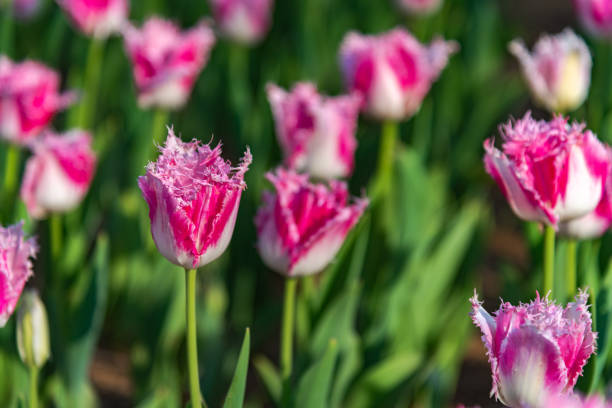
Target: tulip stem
point(384, 172)
point(549, 258)
point(192, 345)
point(93, 70)
point(6, 38)
point(11, 174)
point(570, 268)
point(286, 358)
point(55, 225)
point(33, 386)
point(160, 121)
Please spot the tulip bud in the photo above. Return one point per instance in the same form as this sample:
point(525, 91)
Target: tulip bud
point(99, 18)
point(392, 72)
point(548, 171)
point(536, 350)
point(316, 132)
point(558, 71)
point(243, 21)
point(595, 15)
point(32, 330)
point(193, 197)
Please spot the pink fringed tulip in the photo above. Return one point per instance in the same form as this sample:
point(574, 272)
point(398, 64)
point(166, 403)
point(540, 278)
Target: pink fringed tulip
point(16, 253)
point(244, 21)
point(302, 226)
point(167, 61)
point(558, 71)
point(392, 71)
point(420, 7)
point(29, 99)
point(595, 15)
point(193, 197)
point(536, 349)
point(99, 18)
point(59, 174)
point(548, 171)
point(316, 133)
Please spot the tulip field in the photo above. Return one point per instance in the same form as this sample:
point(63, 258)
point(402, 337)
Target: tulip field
point(305, 204)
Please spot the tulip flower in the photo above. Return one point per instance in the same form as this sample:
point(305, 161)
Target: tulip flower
point(420, 7)
point(595, 16)
point(316, 133)
point(558, 71)
point(99, 18)
point(549, 171)
point(576, 401)
point(243, 21)
point(29, 99)
point(16, 253)
point(59, 174)
point(302, 226)
point(193, 197)
point(26, 9)
point(166, 61)
point(392, 72)
point(536, 350)
point(32, 330)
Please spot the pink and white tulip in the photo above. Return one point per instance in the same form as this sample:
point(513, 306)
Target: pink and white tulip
point(537, 349)
point(243, 21)
point(393, 71)
point(193, 196)
point(302, 226)
point(16, 253)
point(558, 71)
point(58, 175)
point(166, 61)
point(548, 171)
point(99, 18)
point(316, 132)
point(29, 99)
point(420, 7)
point(576, 401)
point(595, 16)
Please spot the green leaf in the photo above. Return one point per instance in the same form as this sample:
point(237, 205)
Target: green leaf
point(315, 384)
point(270, 377)
point(235, 395)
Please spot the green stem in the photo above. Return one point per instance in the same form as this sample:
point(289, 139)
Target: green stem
point(549, 259)
point(384, 172)
point(158, 131)
point(286, 358)
point(56, 234)
point(93, 71)
point(11, 175)
point(6, 30)
point(33, 386)
point(570, 269)
point(192, 345)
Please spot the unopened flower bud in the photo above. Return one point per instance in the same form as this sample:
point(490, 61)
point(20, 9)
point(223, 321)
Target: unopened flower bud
point(32, 330)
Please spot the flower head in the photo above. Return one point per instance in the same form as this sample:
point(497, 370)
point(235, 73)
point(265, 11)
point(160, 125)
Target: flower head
point(536, 349)
point(420, 7)
point(302, 226)
point(549, 171)
point(576, 401)
point(99, 18)
point(59, 174)
point(244, 21)
point(166, 61)
point(558, 71)
point(392, 72)
point(29, 99)
point(26, 9)
point(316, 133)
point(595, 15)
point(16, 253)
point(193, 196)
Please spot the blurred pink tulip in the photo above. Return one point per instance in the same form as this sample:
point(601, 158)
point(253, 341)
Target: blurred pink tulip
point(558, 71)
point(420, 7)
point(166, 61)
point(29, 98)
point(302, 226)
point(548, 171)
point(59, 174)
point(99, 18)
point(392, 71)
point(26, 9)
point(16, 253)
point(595, 15)
point(576, 401)
point(243, 21)
point(193, 197)
point(536, 350)
point(316, 133)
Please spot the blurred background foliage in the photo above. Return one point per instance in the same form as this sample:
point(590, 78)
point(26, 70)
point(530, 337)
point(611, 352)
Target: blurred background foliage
point(387, 324)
